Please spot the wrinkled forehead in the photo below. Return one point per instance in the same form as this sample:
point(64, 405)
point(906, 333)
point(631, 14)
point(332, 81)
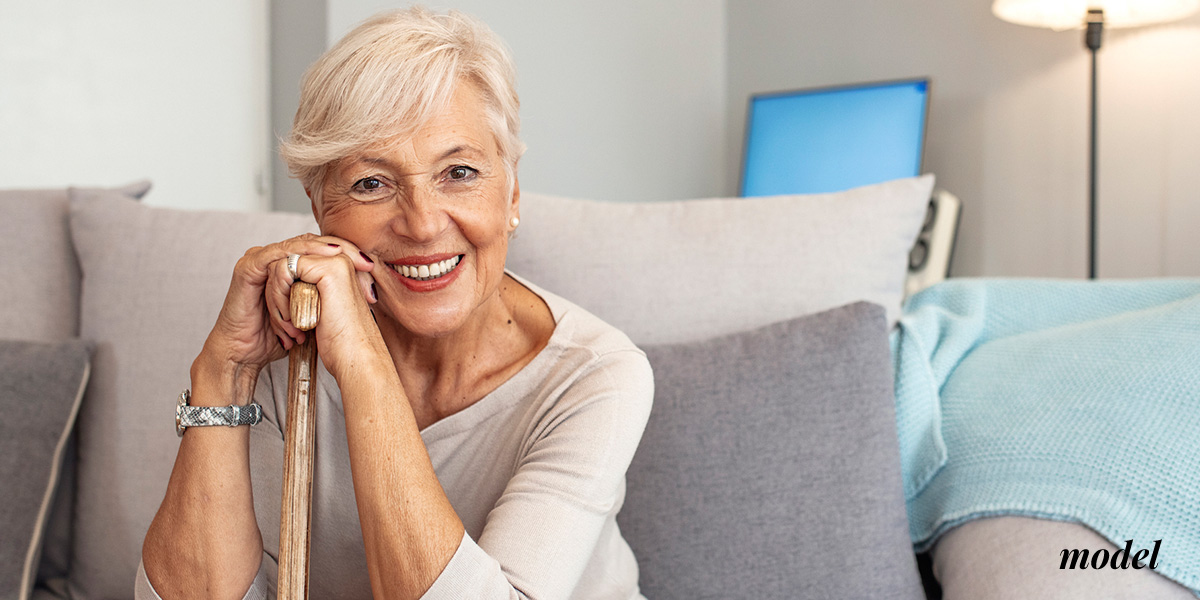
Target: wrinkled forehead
point(464, 127)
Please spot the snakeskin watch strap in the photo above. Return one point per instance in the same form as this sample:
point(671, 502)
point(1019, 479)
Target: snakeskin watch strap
point(206, 416)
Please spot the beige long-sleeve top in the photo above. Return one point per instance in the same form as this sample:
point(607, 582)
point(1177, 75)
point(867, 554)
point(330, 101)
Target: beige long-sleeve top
point(535, 471)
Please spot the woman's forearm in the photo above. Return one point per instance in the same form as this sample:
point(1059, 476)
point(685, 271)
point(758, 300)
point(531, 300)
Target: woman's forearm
point(410, 530)
point(204, 540)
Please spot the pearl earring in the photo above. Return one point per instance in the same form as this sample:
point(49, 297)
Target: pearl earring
point(514, 222)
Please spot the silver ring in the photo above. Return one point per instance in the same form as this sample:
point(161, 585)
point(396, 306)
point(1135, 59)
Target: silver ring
point(293, 261)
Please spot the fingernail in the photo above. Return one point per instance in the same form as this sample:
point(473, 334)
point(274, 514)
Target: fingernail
point(365, 257)
point(374, 294)
point(334, 245)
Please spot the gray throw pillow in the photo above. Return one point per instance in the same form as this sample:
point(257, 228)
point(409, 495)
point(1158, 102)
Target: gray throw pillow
point(39, 275)
point(770, 466)
point(41, 386)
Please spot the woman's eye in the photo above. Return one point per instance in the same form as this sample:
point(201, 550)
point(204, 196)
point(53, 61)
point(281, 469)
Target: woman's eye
point(460, 173)
point(368, 184)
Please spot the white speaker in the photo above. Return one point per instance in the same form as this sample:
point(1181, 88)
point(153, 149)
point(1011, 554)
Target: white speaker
point(929, 259)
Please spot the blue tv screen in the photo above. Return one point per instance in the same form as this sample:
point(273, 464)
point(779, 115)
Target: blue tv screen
point(833, 139)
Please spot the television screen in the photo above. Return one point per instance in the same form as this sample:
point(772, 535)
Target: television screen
point(833, 139)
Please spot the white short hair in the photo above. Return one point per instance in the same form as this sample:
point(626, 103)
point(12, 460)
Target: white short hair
point(387, 77)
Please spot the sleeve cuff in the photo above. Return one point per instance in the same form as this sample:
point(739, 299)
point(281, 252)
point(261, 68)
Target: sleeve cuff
point(259, 588)
point(471, 573)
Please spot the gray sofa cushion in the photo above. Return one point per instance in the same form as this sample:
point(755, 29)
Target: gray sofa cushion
point(667, 272)
point(39, 276)
point(41, 385)
point(153, 282)
point(770, 466)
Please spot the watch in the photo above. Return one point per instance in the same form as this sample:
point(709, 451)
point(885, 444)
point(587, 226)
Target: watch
point(187, 415)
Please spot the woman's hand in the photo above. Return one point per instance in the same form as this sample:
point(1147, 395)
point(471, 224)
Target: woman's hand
point(254, 327)
point(346, 326)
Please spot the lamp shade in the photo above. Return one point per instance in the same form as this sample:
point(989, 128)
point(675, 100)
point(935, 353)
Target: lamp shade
point(1070, 14)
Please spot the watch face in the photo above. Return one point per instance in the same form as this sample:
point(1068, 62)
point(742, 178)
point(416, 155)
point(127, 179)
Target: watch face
point(183, 400)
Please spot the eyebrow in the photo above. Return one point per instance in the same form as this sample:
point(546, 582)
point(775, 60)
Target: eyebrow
point(459, 149)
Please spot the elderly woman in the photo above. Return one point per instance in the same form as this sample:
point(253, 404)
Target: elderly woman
point(473, 430)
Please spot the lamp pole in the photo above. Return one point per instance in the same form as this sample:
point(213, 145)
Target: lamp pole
point(1064, 14)
point(1092, 38)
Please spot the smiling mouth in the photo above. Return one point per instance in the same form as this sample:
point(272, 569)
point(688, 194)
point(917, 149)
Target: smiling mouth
point(430, 271)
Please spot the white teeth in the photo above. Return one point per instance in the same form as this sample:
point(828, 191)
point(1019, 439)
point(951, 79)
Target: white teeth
point(429, 271)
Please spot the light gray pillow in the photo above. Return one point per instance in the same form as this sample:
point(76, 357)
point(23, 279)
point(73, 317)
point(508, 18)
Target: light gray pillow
point(41, 386)
point(153, 282)
point(39, 276)
point(770, 466)
point(666, 272)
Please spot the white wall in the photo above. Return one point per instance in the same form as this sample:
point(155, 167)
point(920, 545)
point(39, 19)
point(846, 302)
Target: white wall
point(298, 38)
point(103, 93)
point(620, 100)
point(629, 100)
point(1008, 123)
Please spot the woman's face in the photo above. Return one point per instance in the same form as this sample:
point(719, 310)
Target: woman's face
point(433, 213)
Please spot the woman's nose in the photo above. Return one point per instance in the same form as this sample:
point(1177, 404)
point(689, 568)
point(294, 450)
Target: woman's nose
point(421, 217)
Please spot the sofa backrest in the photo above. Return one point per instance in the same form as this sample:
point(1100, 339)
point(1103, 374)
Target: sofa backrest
point(153, 280)
point(691, 269)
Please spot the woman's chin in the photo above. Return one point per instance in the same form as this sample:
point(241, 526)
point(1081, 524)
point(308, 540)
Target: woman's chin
point(426, 324)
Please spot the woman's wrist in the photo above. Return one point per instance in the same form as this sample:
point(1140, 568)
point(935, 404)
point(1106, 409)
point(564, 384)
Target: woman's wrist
point(351, 351)
point(365, 362)
point(217, 382)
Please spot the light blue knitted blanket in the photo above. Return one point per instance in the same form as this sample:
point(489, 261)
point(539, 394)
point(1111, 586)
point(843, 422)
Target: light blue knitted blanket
point(1068, 400)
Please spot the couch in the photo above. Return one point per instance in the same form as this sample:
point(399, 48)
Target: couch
point(770, 467)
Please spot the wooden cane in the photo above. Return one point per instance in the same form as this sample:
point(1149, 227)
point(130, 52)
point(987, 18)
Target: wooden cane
point(295, 524)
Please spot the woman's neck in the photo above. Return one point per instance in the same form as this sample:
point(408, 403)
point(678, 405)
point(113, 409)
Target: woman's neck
point(445, 374)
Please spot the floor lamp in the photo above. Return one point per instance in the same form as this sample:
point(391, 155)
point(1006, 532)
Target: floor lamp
point(1093, 16)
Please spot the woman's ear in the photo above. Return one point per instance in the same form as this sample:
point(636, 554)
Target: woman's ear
point(515, 205)
point(514, 208)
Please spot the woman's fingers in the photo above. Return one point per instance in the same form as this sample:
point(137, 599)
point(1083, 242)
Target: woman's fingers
point(257, 306)
point(367, 283)
point(358, 258)
point(259, 263)
point(277, 295)
point(271, 261)
point(264, 258)
point(363, 266)
point(331, 273)
point(281, 335)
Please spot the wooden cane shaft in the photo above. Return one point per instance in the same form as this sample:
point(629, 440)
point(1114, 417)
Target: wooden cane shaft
point(295, 513)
